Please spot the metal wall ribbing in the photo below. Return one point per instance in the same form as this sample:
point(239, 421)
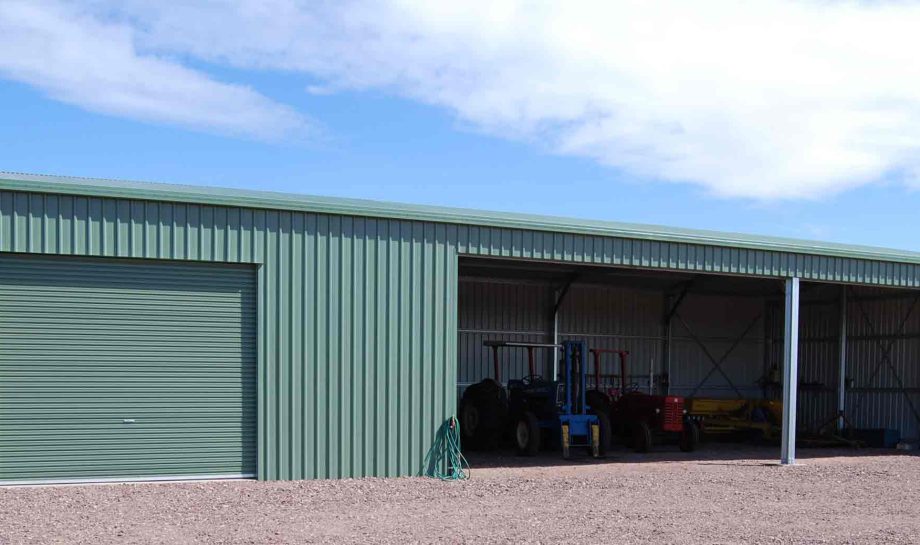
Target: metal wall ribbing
point(731, 331)
point(493, 234)
point(501, 310)
point(678, 256)
point(356, 316)
point(618, 317)
point(884, 346)
point(883, 355)
point(604, 316)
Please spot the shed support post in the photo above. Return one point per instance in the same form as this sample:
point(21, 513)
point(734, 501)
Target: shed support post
point(790, 371)
point(669, 340)
point(556, 299)
point(842, 372)
point(672, 304)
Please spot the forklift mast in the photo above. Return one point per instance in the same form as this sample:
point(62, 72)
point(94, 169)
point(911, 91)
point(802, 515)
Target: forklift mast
point(575, 362)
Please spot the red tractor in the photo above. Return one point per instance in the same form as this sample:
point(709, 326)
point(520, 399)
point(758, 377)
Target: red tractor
point(638, 416)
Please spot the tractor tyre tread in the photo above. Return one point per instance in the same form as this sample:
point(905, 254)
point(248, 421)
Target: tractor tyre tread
point(690, 436)
point(533, 434)
point(642, 437)
point(606, 431)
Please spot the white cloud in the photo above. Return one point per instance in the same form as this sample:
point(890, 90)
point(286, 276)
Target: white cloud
point(764, 99)
point(82, 60)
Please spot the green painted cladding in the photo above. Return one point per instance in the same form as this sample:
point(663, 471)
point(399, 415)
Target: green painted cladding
point(357, 320)
point(682, 257)
point(357, 314)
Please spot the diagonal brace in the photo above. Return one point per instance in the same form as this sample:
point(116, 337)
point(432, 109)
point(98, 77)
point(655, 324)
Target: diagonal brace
point(885, 357)
point(717, 364)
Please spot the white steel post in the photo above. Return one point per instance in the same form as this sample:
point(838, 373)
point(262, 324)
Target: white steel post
point(842, 380)
point(790, 370)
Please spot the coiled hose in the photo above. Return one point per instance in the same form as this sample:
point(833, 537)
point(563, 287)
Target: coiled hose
point(445, 460)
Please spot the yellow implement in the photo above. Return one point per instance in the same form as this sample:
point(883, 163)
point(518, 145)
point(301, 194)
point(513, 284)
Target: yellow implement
point(725, 416)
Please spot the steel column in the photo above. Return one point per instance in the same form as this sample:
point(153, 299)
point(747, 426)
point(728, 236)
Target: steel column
point(790, 370)
point(842, 373)
point(559, 297)
point(556, 299)
point(671, 306)
point(669, 339)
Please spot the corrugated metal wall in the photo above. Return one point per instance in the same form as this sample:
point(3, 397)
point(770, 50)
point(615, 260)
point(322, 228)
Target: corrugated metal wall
point(357, 351)
point(880, 323)
point(604, 316)
point(677, 256)
point(496, 234)
point(887, 389)
point(501, 310)
point(731, 331)
point(617, 317)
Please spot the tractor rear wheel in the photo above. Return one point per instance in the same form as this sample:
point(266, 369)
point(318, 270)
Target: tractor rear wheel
point(598, 401)
point(483, 414)
point(469, 423)
point(642, 437)
point(605, 430)
point(690, 436)
point(527, 434)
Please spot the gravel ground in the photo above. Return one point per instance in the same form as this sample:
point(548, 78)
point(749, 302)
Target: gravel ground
point(720, 495)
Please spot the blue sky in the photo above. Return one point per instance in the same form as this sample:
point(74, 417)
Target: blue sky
point(420, 138)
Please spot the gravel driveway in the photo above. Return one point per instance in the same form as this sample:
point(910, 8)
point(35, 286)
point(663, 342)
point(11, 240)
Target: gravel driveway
point(720, 495)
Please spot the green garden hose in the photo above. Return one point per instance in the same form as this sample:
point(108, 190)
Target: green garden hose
point(445, 460)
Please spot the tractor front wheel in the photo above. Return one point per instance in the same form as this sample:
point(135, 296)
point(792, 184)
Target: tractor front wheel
point(527, 434)
point(605, 431)
point(690, 436)
point(642, 437)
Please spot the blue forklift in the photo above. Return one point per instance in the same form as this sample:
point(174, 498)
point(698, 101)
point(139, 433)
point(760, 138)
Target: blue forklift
point(546, 410)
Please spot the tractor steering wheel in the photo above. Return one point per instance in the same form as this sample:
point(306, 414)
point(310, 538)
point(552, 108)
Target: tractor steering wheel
point(531, 379)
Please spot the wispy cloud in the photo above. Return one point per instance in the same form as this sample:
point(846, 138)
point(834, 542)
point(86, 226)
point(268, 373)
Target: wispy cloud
point(92, 63)
point(764, 99)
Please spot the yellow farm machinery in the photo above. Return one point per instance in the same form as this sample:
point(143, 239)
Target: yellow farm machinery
point(759, 418)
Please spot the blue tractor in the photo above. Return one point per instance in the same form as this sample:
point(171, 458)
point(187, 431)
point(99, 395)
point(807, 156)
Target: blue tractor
point(541, 410)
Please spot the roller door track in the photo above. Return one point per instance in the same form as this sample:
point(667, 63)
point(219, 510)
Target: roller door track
point(126, 369)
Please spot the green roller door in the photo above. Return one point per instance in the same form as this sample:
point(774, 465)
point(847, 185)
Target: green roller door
point(119, 369)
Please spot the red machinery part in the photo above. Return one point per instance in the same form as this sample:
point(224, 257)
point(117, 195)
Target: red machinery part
point(623, 354)
point(673, 417)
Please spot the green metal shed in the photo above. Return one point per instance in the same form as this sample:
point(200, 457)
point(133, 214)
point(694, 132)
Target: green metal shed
point(292, 337)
